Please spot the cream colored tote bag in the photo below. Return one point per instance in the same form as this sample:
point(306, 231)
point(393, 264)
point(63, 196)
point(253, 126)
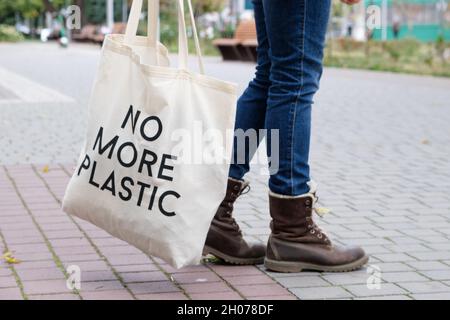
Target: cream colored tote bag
point(154, 166)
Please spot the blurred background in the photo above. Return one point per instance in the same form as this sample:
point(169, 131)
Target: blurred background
point(411, 36)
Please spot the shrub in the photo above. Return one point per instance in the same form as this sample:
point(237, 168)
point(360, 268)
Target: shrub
point(393, 50)
point(408, 47)
point(9, 34)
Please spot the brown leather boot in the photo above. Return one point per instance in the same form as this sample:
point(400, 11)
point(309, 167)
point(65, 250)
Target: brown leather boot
point(297, 243)
point(225, 239)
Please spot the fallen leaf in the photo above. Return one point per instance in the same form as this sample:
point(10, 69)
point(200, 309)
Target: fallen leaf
point(9, 258)
point(45, 169)
point(211, 259)
point(425, 141)
point(12, 260)
point(321, 211)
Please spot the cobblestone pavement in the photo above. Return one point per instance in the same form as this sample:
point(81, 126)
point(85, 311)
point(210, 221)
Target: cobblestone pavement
point(380, 152)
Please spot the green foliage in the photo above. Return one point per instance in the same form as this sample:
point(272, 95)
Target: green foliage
point(392, 50)
point(203, 6)
point(29, 9)
point(408, 47)
point(169, 24)
point(440, 46)
point(228, 31)
point(9, 34)
point(406, 56)
point(337, 9)
point(95, 11)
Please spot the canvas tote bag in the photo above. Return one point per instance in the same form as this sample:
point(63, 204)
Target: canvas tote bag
point(154, 166)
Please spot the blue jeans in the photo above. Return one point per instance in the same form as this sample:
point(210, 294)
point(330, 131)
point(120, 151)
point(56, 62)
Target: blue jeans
point(291, 37)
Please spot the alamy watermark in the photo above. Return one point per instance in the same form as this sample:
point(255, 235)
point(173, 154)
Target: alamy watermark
point(374, 279)
point(374, 17)
point(73, 281)
point(73, 17)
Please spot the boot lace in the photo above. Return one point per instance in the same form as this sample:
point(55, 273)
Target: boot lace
point(312, 226)
point(228, 218)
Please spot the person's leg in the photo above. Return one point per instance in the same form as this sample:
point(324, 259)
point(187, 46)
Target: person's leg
point(251, 107)
point(224, 239)
point(296, 31)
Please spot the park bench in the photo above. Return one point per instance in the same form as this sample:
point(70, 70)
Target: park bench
point(87, 33)
point(242, 46)
point(118, 28)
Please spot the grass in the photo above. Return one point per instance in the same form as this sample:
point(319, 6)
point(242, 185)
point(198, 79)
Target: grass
point(9, 34)
point(402, 56)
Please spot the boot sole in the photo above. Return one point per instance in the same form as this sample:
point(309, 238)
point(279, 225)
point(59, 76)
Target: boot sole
point(291, 266)
point(230, 259)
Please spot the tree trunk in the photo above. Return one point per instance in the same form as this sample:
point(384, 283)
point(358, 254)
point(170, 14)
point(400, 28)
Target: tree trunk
point(49, 6)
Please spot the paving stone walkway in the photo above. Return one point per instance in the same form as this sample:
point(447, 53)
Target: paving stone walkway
point(380, 152)
point(48, 242)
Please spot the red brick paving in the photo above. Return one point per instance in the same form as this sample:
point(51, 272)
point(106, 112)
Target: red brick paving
point(58, 296)
point(108, 295)
point(216, 296)
point(163, 296)
point(35, 229)
point(207, 287)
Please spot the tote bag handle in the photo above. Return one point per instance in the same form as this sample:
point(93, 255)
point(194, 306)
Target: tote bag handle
point(182, 35)
point(133, 22)
point(152, 30)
